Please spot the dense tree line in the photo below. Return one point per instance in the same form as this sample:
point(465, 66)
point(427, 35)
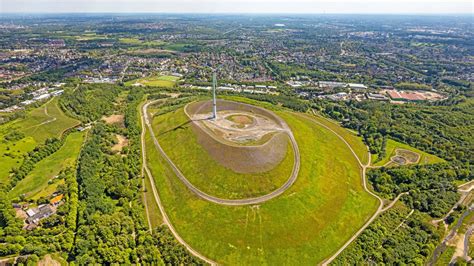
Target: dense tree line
point(395, 238)
point(112, 227)
point(431, 188)
point(40, 152)
point(441, 130)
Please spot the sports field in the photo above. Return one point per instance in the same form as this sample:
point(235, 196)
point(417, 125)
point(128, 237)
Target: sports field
point(392, 146)
point(306, 224)
point(37, 180)
point(44, 122)
point(155, 81)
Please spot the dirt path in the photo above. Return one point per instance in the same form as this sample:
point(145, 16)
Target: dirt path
point(166, 220)
point(237, 202)
point(52, 118)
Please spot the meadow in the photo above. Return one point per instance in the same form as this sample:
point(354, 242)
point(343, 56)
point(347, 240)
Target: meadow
point(306, 224)
point(206, 173)
point(44, 122)
point(392, 145)
point(35, 184)
point(155, 81)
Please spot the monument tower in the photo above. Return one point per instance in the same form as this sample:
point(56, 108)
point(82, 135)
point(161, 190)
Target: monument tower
point(214, 103)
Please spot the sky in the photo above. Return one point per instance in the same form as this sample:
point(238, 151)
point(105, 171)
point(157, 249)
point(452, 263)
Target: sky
point(242, 6)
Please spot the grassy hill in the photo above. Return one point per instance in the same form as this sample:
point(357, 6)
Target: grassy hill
point(306, 224)
point(204, 172)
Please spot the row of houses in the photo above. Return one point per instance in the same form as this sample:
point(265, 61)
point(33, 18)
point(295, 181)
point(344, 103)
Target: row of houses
point(327, 85)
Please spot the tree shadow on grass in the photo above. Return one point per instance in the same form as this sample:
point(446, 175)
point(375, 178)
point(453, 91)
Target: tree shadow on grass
point(182, 125)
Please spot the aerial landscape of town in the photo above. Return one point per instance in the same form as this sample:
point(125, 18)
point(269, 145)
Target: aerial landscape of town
point(236, 139)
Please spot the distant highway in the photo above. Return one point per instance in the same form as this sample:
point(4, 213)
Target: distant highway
point(231, 202)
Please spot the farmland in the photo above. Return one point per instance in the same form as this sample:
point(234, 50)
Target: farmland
point(309, 222)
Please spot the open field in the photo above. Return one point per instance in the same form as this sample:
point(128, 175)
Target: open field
point(155, 81)
point(310, 221)
point(393, 146)
point(44, 122)
point(37, 180)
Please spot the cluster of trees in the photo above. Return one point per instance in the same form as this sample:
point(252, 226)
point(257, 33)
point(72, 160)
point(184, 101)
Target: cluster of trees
point(396, 237)
point(283, 100)
point(89, 102)
point(440, 130)
point(56, 233)
point(112, 227)
point(50, 146)
point(430, 188)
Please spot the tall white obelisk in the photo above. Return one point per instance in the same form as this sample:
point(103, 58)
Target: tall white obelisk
point(214, 103)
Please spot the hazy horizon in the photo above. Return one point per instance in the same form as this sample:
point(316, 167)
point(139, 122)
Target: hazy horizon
point(416, 7)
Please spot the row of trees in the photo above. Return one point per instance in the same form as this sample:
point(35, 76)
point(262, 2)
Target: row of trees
point(40, 152)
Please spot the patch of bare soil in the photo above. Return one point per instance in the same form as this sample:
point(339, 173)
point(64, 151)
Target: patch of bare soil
point(48, 261)
point(122, 142)
point(114, 119)
point(259, 146)
point(404, 157)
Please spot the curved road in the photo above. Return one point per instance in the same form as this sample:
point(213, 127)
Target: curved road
point(166, 220)
point(236, 202)
point(364, 182)
point(264, 198)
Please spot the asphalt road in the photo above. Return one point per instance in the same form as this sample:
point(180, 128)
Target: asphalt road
point(231, 202)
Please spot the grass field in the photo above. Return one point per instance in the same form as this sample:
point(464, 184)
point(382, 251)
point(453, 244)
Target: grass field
point(354, 141)
point(392, 145)
point(37, 126)
point(153, 210)
point(204, 172)
point(305, 225)
point(36, 181)
point(155, 81)
point(45, 122)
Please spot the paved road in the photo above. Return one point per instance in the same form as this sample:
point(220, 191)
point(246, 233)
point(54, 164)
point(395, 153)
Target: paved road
point(236, 202)
point(166, 220)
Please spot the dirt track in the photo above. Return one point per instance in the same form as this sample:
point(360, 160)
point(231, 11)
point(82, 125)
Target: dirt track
point(145, 169)
point(236, 202)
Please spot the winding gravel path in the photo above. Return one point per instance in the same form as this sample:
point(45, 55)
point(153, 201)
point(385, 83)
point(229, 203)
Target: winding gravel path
point(231, 202)
point(166, 220)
